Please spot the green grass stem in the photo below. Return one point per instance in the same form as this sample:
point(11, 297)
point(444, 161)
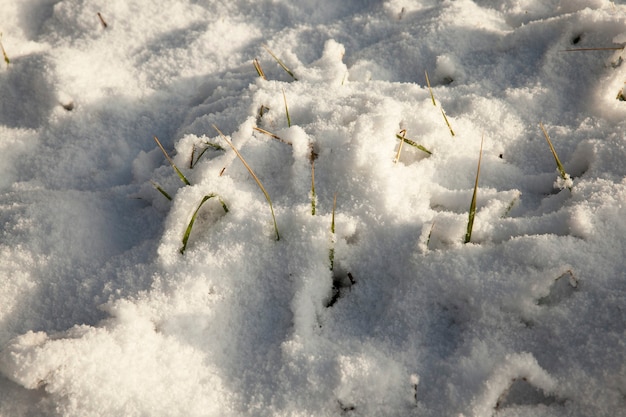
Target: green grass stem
point(432, 97)
point(472, 210)
point(243, 161)
point(286, 109)
point(180, 174)
point(161, 190)
point(193, 218)
point(559, 165)
point(412, 143)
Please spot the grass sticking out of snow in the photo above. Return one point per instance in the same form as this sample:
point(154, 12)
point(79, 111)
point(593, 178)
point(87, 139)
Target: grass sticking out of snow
point(472, 210)
point(282, 65)
point(161, 190)
point(243, 161)
point(259, 70)
point(286, 109)
point(331, 251)
point(4, 52)
point(567, 181)
point(313, 195)
point(432, 97)
point(270, 134)
point(411, 142)
point(180, 174)
point(193, 218)
point(209, 145)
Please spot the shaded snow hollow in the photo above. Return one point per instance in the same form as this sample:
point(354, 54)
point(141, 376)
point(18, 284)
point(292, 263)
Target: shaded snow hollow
point(101, 315)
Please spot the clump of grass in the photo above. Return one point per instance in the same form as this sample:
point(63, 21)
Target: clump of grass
point(566, 180)
point(161, 190)
point(195, 214)
point(209, 145)
point(282, 65)
point(102, 21)
point(286, 109)
point(472, 210)
point(4, 52)
point(402, 137)
point(259, 70)
point(432, 97)
point(331, 252)
point(180, 174)
point(243, 161)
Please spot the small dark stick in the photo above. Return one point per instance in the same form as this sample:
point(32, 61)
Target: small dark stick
point(104, 24)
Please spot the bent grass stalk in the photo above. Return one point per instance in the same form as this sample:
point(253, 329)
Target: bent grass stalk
point(243, 161)
point(193, 218)
point(210, 145)
point(180, 174)
point(559, 165)
point(472, 210)
point(282, 65)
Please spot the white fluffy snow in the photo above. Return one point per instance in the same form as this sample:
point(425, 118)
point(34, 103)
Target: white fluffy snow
point(101, 314)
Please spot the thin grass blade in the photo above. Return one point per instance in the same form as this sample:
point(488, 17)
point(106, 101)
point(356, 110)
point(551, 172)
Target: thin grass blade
point(270, 134)
point(282, 65)
point(432, 96)
point(414, 144)
point(559, 165)
point(259, 70)
point(472, 210)
point(180, 174)
point(401, 136)
point(286, 109)
point(4, 52)
point(313, 195)
point(195, 214)
point(243, 161)
point(161, 190)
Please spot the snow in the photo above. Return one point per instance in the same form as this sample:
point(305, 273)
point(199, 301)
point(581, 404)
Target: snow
point(101, 314)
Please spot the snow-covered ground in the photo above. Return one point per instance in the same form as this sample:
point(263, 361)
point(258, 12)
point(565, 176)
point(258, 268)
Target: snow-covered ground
point(392, 314)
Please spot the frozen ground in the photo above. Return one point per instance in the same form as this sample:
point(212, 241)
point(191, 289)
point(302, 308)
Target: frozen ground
point(101, 315)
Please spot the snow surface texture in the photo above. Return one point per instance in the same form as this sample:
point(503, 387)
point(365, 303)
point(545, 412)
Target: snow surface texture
point(101, 314)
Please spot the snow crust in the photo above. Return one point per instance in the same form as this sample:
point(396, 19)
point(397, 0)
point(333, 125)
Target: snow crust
point(388, 314)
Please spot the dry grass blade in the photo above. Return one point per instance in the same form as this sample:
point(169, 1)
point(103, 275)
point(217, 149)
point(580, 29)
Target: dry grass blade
point(270, 134)
point(193, 219)
point(180, 174)
point(401, 136)
point(243, 161)
point(472, 210)
point(282, 65)
point(4, 52)
point(559, 165)
point(414, 144)
point(259, 70)
point(104, 24)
